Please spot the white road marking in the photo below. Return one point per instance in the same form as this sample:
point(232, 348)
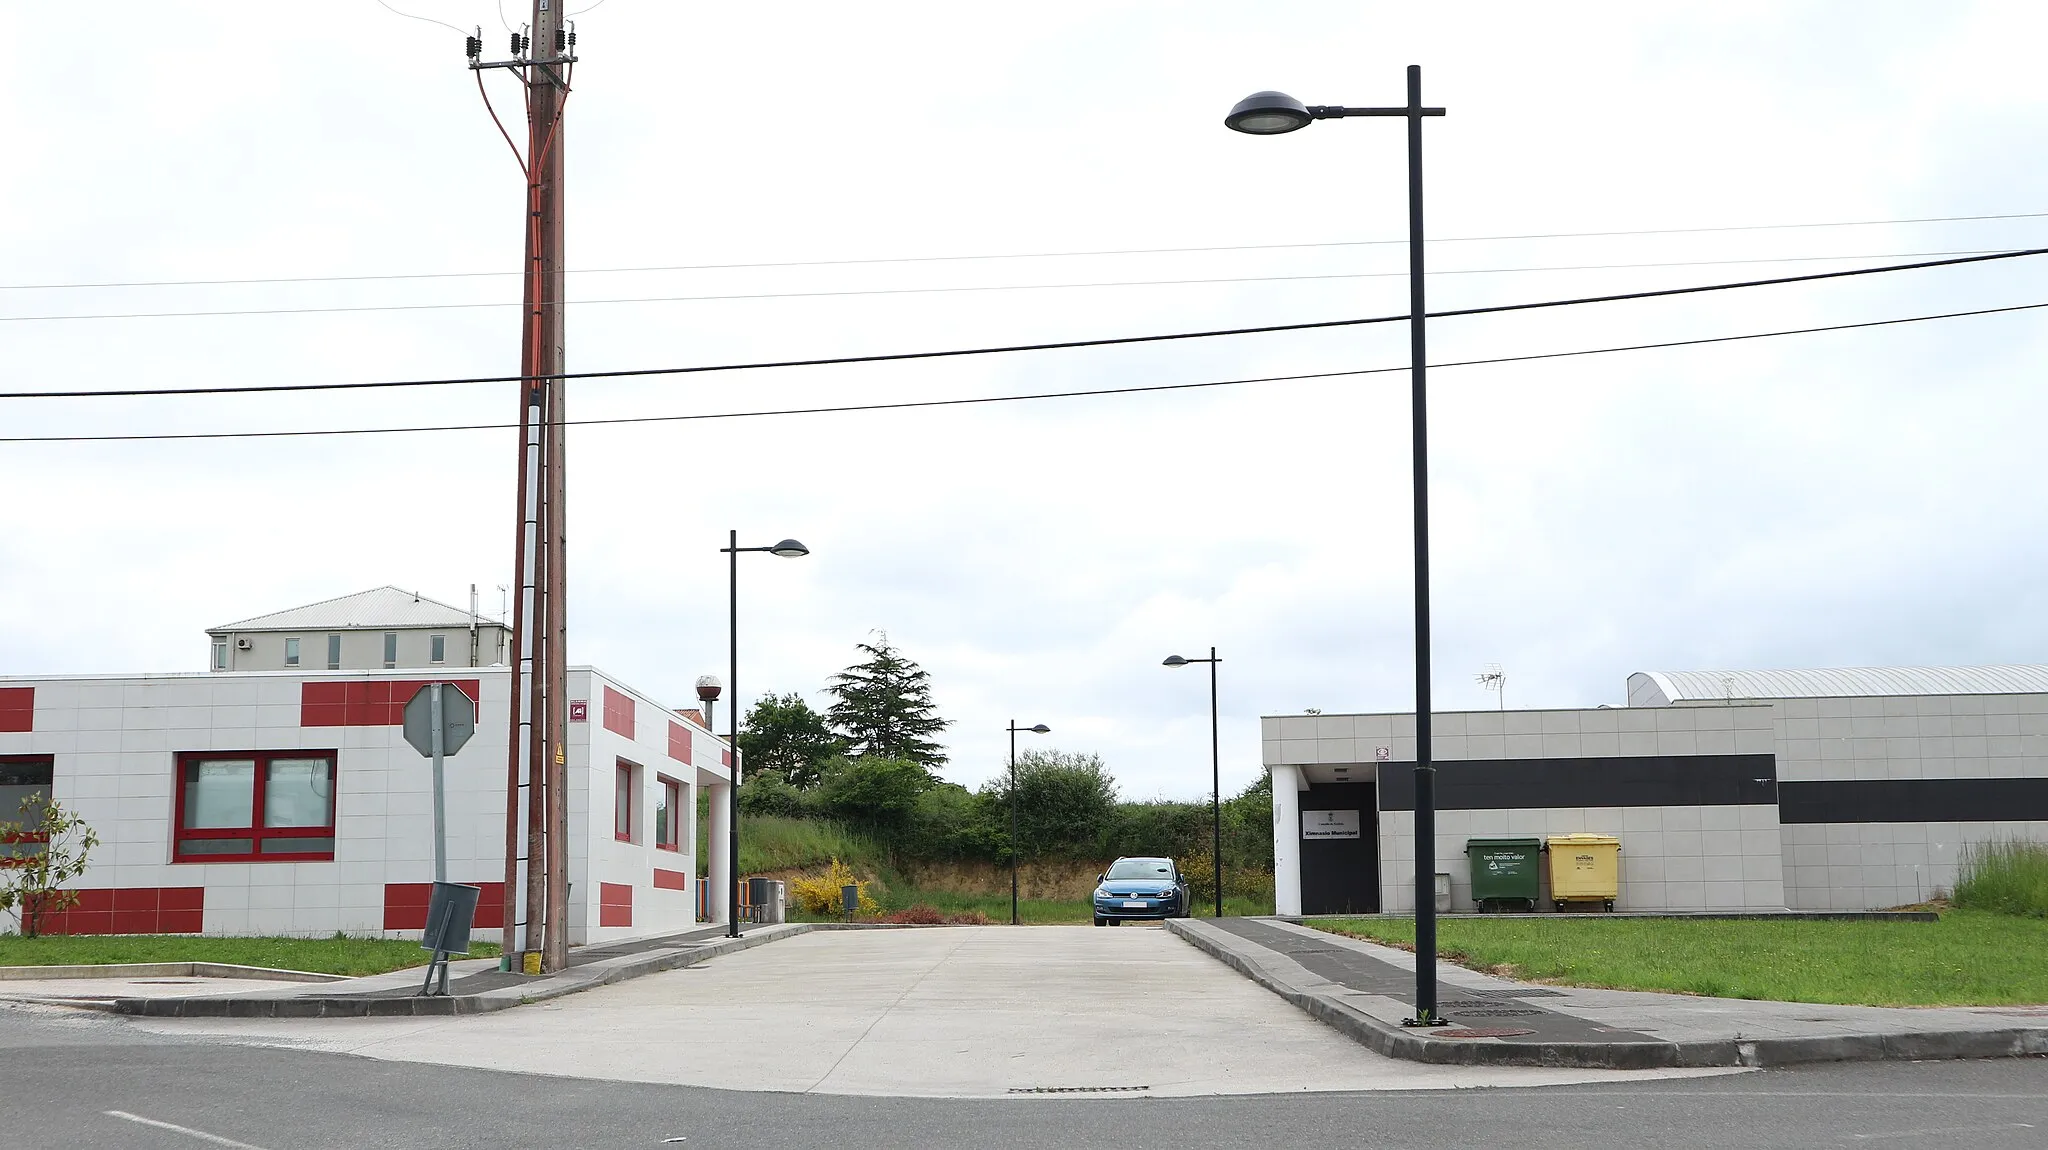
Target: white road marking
point(174, 1128)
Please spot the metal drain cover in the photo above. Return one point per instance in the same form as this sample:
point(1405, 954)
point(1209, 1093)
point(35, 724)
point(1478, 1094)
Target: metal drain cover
point(1480, 1032)
point(1077, 1089)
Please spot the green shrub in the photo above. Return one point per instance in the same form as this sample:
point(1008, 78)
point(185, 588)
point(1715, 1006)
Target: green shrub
point(2005, 877)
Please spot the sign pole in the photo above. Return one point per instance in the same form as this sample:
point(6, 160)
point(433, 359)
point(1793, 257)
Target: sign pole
point(440, 800)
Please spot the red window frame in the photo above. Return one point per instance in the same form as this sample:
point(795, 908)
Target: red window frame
point(622, 803)
point(47, 763)
point(255, 833)
point(672, 792)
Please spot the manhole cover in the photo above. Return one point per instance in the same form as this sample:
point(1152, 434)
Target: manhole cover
point(1077, 1089)
point(1480, 1032)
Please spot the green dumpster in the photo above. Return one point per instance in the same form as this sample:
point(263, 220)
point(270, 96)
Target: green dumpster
point(1506, 873)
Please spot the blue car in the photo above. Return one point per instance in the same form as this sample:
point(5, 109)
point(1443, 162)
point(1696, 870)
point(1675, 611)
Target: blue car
point(1140, 888)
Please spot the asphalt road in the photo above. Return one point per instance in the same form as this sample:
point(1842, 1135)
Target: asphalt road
point(69, 1082)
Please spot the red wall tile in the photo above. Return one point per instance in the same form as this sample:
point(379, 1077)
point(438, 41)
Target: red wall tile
point(134, 910)
point(615, 904)
point(679, 742)
point(671, 879)
point(366, 702)
point(405, 906)
point(618, 713)
point(17, 708)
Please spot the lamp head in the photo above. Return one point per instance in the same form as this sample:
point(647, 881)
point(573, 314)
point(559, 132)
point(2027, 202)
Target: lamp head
point(708, 688)
point(1040, 729)
point(789, 549)
point(1173, 661)
point(1267, 114)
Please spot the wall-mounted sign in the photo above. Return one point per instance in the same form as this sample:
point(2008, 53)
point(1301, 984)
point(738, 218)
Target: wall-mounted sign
point(1383, 754)
point(1329, 824)
point(579, 710)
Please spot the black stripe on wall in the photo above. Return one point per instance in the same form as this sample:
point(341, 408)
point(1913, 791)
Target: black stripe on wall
point(1914, 801)
point(1643, 781)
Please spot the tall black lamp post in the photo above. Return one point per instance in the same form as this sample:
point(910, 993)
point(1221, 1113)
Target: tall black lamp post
point(788, 549)
point(708, 688)
point(1215, 772)
point(1037, 729)
point(1270, 114)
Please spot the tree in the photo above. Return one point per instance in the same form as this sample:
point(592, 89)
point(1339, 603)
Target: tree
point(783, 734)
point(1066, 803)
point(873, 793)
point(883, 707)
point(34, 881)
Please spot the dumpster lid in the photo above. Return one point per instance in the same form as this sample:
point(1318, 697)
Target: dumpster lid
point(1508, 844)
point(1582, 839)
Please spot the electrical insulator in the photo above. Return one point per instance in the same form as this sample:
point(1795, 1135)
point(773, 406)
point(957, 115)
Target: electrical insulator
point(561, 41)
point(525, 43)
point(472, 47)
point(515, 43)
point(572, 39)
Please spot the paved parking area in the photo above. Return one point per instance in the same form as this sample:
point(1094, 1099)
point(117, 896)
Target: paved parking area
point(944, 1012)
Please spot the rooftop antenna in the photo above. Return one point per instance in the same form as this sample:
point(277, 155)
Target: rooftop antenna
point(1494, 679)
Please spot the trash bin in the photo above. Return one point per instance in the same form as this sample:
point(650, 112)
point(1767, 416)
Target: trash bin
point(1585, 868)
point(1506, 873)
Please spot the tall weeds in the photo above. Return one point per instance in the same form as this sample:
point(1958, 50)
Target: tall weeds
point(2008, 877)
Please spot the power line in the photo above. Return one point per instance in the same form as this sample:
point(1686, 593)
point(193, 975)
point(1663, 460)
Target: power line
point(351, 309)
point(976, 400)
point(1027, 255)
point(897, 357)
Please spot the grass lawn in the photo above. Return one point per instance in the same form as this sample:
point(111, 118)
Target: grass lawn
point(351, 956)
point(1969, 958)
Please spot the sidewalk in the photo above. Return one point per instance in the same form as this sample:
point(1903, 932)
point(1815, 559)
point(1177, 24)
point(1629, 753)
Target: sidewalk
point(1365, 991)
point(475, 986)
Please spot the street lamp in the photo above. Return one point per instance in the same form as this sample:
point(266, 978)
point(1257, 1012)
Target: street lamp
point(1270, 114)
point(787, 549)
point(708, 688)
point(1215, 771)
point(1036, 729)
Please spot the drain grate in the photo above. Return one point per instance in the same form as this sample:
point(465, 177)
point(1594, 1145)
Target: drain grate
point(1077, 1089)
point(1480, 1032)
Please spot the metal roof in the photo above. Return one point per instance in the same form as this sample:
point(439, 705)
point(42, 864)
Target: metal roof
point(1656, 688)
point(377, 609)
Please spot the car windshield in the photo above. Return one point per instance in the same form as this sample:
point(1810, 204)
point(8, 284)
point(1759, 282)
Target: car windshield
point(1140, 868)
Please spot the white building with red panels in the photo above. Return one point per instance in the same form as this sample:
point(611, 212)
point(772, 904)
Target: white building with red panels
point(289, 802)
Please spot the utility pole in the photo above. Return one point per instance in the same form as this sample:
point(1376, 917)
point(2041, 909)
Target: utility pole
point(537, 760)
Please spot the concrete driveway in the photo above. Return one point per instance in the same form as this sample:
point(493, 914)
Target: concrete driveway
point(939, 1012)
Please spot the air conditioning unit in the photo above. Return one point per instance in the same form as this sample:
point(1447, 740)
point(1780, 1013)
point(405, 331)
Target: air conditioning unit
point(243, 644)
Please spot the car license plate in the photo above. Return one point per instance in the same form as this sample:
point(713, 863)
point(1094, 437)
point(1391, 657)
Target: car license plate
point(1132, 902)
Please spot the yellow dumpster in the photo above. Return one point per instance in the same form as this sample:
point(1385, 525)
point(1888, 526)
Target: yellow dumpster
point(1585, 868)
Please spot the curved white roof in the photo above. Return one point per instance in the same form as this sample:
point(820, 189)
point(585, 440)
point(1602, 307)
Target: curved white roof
point(1657, 688)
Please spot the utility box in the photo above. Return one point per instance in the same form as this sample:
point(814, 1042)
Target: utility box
point(769, 899)
point(1585, 868)
point(1506, 873)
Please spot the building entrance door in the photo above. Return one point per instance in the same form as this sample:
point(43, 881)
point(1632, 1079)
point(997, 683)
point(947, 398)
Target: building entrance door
point(1340, 849)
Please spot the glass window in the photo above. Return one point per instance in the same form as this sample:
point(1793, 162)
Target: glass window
point(391, 648)
point(298, 793)
point(667, 816)
point(219, 793)
point(334, 652)
point(622, 820)
point(220, 654)
point(277, 805)
point(23, 777)
point(437, 649)
point(1141, 869)
point(291, 652)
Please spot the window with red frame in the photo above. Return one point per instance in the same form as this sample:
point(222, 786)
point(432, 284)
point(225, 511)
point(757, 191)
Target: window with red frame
point(22, 777)
point(668, 817)
point(622, 805)
point(255, 806)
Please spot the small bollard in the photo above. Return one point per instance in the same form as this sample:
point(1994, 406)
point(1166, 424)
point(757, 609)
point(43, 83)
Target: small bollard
point(530, 962)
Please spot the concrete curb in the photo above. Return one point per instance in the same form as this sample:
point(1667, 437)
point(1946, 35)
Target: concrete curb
point(578, 978)
point(165, 970)
point(1416, 1046)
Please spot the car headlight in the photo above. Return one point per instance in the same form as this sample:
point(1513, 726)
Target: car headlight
point(1101, 893)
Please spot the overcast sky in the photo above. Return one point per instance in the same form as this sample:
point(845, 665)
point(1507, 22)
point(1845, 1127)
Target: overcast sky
point(1849, 498)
